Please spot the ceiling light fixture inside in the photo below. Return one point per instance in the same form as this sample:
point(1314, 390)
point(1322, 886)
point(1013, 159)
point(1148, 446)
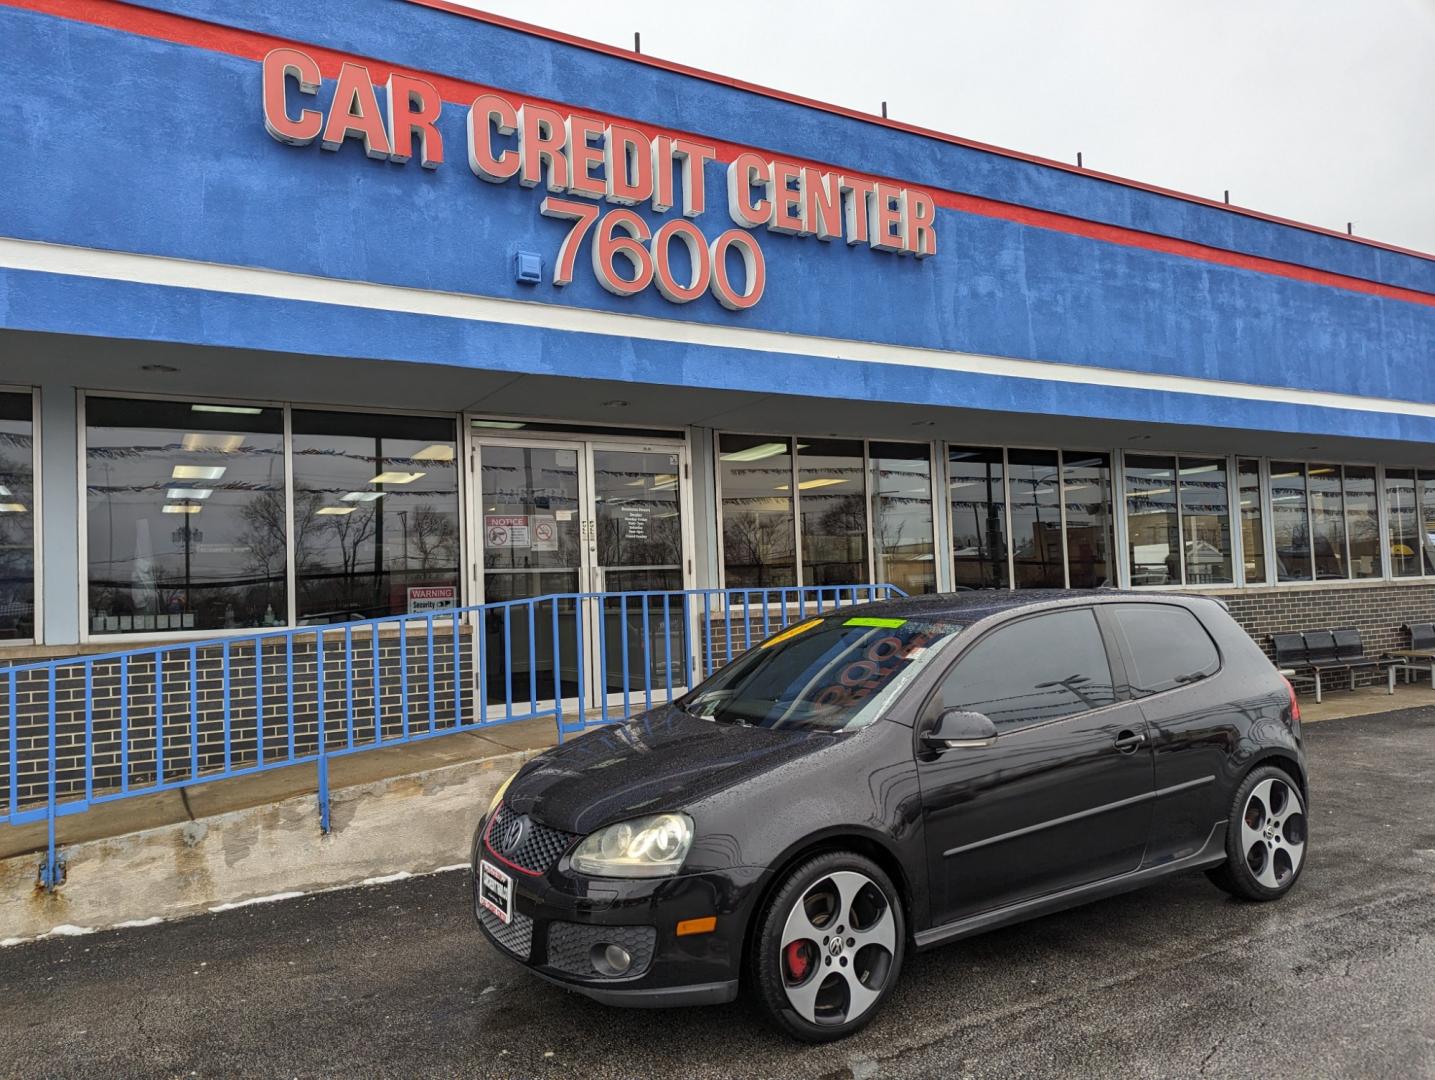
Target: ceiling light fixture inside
point(758, 452)
point(211, 443)
point(241, 410)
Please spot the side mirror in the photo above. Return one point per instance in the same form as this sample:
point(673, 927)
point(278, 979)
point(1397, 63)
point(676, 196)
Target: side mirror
point(960, 728)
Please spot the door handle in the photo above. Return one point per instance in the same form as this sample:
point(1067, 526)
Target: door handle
point(1128, 741)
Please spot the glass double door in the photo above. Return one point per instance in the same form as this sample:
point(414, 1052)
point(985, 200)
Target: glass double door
point(580, 520)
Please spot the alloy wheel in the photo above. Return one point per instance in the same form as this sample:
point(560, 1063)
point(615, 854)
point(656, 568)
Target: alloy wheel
point(1273, 832)
point(838, 948)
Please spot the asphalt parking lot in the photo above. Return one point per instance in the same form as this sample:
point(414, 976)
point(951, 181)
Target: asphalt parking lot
point(1179, 980)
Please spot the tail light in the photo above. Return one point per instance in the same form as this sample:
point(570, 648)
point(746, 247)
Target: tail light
point(1295, 705)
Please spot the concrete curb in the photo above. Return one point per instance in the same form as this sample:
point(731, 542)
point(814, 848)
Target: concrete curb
point(416, 823)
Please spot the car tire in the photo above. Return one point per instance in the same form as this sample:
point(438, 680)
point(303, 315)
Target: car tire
point(1266, 840)
point(828, 947)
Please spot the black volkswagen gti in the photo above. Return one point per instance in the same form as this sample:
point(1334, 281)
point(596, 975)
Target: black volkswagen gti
point(890, 777)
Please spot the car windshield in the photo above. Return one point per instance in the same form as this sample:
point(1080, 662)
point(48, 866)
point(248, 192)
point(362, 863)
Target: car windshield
point(835, 673)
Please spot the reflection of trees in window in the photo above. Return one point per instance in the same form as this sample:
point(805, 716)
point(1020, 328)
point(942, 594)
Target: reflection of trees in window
point(435, 538)
point(264, 536)
point(757, 548)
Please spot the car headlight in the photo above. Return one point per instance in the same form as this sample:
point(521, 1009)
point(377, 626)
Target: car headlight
point(644, 847)
point(498, 795)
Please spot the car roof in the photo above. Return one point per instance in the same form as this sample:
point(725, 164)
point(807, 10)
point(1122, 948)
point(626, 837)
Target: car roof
point(971, 605)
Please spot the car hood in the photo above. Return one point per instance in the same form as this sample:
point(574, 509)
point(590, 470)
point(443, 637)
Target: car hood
point(663, 760)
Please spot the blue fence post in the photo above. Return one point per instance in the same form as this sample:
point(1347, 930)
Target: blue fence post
point(323, 748)
point(14, 751)
point(557, 671)
point(50, 869)
point(707, 634)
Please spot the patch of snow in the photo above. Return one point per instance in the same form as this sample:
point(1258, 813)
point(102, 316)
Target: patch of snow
point(153, 920)
point(387, 878)
point(255, 900)
point(63, 930)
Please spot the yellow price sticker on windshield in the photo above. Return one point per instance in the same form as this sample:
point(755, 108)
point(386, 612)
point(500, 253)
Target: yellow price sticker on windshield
point(789, 633)
point(881, 624)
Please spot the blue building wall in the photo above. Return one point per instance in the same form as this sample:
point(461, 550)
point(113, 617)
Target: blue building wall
point(136, 144)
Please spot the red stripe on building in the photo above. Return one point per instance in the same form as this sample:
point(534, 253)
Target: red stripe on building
point(250, 45)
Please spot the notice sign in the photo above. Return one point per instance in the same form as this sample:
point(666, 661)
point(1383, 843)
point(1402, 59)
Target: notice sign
point(505, 530)
point(545, 533)
point(432, 598)
point(635, 522)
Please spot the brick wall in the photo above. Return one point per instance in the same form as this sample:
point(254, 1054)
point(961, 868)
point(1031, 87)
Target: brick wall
point(1377, 611)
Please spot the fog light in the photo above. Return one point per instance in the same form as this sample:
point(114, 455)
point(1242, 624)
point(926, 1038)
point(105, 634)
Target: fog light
point(610, 959)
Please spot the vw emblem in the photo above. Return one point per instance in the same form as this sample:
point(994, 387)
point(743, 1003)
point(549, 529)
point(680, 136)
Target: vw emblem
point(513, 835)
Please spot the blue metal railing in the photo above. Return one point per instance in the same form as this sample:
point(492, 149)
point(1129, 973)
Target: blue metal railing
point(88, 730)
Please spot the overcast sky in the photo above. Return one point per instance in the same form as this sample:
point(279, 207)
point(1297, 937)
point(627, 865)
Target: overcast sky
point(1318, 110)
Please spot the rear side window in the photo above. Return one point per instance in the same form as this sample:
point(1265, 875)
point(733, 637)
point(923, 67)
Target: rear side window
point(1167, 645)
point(1040, 668)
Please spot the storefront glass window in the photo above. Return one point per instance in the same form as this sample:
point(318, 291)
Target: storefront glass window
point(1426, 483)
point(1205, 521)
point(1290, 521)
point(1403, 521)
point(976, 491)
point(1152, 523)
point(1086, 489)
point(755, 472)
point(375, 513)
point(901, 478)
point(186, 516)
point(834, 512)
point(1035, 492)
point(1327, 522)
point(1362, 521)
point(1253, 536)
point(17, 517)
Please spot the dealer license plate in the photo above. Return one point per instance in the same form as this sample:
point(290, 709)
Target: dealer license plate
point(495, 891)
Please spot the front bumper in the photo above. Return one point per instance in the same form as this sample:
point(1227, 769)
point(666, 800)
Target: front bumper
point(559, 916)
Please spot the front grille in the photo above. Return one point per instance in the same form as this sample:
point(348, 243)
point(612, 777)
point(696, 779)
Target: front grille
point(516, 937)
point(570, 946)
point(540, 848)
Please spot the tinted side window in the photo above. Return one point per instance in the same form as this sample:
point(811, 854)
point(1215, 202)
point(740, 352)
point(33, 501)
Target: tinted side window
point(1167, 645)
point(1040, 668)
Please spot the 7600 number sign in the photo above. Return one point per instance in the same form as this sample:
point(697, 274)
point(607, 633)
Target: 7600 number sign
point(622, 234)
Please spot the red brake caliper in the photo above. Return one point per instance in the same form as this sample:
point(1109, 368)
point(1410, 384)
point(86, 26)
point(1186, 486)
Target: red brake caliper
point(797, 960)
